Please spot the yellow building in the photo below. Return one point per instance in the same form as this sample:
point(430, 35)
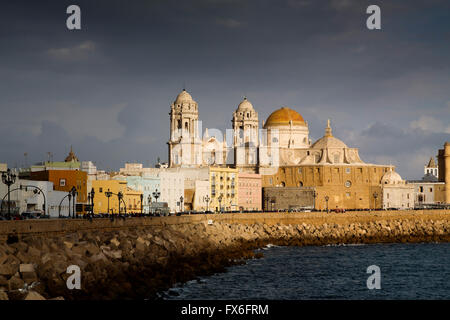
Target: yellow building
point(131, 198)
point(224, 189)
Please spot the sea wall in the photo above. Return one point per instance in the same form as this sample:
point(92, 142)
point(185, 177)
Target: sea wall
point(137, 257)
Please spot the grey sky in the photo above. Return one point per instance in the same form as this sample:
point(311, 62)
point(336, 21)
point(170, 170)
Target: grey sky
point(107, 89)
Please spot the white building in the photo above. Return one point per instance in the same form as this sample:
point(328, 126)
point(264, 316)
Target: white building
point(30, 199)
point(202, 196)
point(137, 169)
point(431, 168)
point(172, 189)
point(396, 192)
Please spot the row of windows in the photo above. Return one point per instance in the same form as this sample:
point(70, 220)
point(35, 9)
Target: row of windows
point(421, 188)
point(336, 170)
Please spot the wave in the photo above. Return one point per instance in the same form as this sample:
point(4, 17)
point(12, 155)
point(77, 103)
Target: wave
point(345, 245)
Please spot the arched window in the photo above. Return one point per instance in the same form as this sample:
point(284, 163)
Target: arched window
point(179, 124)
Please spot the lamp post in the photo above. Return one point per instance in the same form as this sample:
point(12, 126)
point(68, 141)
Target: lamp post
point(156, 194)
point(92, 193)
point(9, 178)
point(74, 193)
point(120, 196)
point(181, 203)
point(70, 198)
point(108, 195)
point(59, 207)
point(326, 200)
point(149, 200)
point(89, 198)
point(220, 202)
point(207, 199)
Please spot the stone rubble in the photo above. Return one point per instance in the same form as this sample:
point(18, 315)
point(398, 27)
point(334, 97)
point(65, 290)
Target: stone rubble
point(137, 263)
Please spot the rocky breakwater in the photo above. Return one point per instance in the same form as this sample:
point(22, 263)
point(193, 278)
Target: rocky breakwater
point(137, 263)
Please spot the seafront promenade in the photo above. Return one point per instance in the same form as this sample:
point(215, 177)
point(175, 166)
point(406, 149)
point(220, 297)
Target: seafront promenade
point(137, 257)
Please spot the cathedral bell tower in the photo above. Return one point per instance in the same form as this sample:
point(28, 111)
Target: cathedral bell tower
point(246, 141)
point(184, 133)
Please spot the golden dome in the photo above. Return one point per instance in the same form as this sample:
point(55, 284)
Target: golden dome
point(283, 117)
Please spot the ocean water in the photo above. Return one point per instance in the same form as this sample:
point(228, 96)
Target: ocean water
point(407, 271)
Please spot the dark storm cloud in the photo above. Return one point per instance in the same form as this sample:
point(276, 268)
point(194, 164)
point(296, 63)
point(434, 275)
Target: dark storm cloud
point(106, 89)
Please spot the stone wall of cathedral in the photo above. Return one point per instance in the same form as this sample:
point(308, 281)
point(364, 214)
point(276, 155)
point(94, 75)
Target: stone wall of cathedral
point(349, 187)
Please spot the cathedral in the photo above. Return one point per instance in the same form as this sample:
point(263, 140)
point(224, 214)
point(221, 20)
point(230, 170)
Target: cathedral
point(282, 152)
point(282, 141)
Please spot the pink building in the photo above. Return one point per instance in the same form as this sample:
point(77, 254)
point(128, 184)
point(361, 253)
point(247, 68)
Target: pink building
point(249, 191)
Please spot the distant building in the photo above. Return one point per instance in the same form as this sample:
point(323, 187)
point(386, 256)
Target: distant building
point(25, 199)
point(250, 191)
point(428, 192)
point(201, 195)
point(224, 189)
point(434, 188)
point(64, 180)
point(130, 203)
point(396, 192)
point(431, 168)
point(444, 169)
point(3, 167)
point(147, 184)
point(137, 169)
point(172, 189)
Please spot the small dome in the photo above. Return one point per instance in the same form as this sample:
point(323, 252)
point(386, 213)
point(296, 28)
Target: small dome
point(328, 142)
point(184, 96)
point(391, 177)
point(283, 117)
point(245, 105)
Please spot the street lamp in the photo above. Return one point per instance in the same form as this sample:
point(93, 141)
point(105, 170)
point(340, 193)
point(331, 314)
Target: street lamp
point(181, 203)
point(156, 194)
point(207, 199)
point(149, 200)
point(70, 198)
point(326, 200)
point(92, 200)
point(120, 196)
point(74, 193)
point(220, 202)
point(108, 194)
point(9, 178)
